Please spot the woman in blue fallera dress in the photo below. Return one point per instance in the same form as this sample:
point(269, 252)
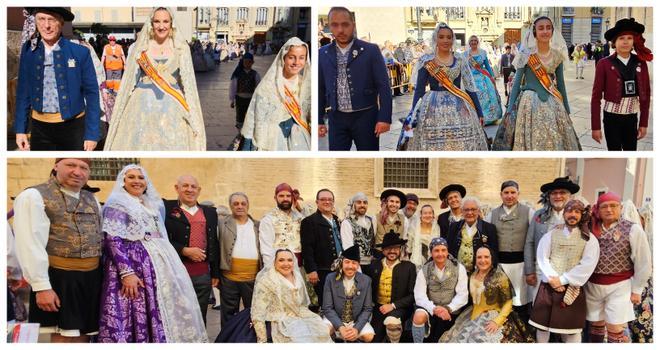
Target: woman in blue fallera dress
point(484, 80)
point(448, 117)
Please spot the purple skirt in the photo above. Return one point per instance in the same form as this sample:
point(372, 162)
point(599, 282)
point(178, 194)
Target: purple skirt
point(123, 320)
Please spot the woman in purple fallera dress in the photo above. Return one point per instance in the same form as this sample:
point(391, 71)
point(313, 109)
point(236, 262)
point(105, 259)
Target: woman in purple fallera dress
point(147, 294)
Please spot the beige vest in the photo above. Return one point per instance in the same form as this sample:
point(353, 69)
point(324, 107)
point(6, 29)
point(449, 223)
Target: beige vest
point(565, 251)
point(75, 224)
point(397, 227)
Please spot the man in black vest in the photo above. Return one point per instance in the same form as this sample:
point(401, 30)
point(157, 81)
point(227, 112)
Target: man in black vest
point(320, 240)
point(393, 284)
point(193, 231)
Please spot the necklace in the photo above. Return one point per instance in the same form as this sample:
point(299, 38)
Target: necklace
point(445, 62)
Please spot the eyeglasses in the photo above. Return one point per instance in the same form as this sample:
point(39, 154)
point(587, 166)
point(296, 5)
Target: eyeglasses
point(469, 210)
point(326, 199)
point(609, 206)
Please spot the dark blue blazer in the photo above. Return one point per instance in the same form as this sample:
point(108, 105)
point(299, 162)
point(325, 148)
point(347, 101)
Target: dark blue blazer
point(77, 87)
point(367, 78)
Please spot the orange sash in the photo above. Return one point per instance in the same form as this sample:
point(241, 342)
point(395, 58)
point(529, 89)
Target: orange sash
point(442, 77)
point(477, 66)
point(294, 109)
point(163, 85)
point(536, 66)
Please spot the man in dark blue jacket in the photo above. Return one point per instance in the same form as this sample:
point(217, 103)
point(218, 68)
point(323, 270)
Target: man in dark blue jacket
point(354, 88)
point(57, 89)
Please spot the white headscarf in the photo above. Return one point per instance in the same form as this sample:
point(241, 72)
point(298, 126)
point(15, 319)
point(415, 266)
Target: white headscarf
point(188, 82)
point(142, 214)
point(267, 101)
point(528, 45)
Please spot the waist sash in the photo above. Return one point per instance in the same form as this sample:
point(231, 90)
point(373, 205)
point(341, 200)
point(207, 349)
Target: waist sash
point(52, 117)
point(294, 109)
point(536, 66)
point(161, 83)
point(444, 80)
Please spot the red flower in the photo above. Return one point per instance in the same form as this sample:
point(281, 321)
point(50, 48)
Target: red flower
point(176, 212)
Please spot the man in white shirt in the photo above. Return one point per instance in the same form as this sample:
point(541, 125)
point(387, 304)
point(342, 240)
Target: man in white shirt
point(624, 266)
point(58, 245)
point(512, 220)
point(239, 256)
point(358, 228)
point(280, 227)
point(441, 290)
point(554, 196)
point(566, 256)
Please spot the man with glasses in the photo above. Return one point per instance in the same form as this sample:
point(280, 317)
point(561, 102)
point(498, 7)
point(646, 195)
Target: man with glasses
point(470, 233)
point(554, 196)
point(320, 239)
point(623, 267)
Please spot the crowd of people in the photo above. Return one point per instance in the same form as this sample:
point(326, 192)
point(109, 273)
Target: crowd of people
point(141, 269)
point(142, 95)
point(455, 93)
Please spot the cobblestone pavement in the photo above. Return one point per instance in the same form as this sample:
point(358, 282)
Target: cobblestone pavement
point(213, 88)
point(579, 97)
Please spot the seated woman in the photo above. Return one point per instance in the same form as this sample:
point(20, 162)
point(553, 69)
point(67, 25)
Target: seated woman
point(489, 319)
point(280, 297)
point(278, 118)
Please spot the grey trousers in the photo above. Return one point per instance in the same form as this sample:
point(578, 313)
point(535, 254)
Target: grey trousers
point(231, 294)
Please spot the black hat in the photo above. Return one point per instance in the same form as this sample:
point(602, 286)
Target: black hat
point(67, 15)
point(392, 192)
point(624, 25)
point(412, 197)
point(561, 183)
point(351, 253)
point(391, 239)
point(451, 188)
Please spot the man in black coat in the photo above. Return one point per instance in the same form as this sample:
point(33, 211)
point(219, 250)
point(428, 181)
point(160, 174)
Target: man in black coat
point(481, 232)
point(193, 231)
point(393, 284)
point(320, 240)
point(451, 196)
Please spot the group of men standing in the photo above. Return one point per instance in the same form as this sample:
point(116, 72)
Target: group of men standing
point(576, 263)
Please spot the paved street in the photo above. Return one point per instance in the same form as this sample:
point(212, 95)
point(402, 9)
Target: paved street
point(579, 96)
point(213, 89)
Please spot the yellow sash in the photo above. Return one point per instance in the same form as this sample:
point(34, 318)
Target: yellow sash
point(294, 109)
point(443, 79)
point(163, 85)
point(536, 66)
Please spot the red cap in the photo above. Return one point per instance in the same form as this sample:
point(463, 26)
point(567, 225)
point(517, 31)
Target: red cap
point(112, 38)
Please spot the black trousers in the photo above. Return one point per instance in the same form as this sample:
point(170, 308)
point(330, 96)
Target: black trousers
point(439, 327)
point(358, 127)
point(505, 75)
point(231, 294)
point(64, 136)
point(202, 286)
point(620, 131)
point(241, 106)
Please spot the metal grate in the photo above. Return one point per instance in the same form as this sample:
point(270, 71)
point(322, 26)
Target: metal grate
point(406, 173)
point(108, 169)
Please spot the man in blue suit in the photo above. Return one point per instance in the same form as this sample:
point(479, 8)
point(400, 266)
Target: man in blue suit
point(354, 88)
point(57, 89)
